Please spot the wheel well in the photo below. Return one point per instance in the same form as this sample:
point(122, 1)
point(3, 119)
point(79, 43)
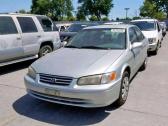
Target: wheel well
point(128, 69)
point(47, 43)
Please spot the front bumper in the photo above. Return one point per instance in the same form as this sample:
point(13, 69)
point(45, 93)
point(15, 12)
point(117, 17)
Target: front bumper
point(82, 96)
point(57, 45)
point(152, 47)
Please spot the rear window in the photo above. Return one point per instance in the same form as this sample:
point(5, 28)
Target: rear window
point(7, 26)
point(27, 24)
point(46, 24)
point(145, 25)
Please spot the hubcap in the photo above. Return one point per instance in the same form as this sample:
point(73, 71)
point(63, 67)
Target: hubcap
point(125, 88)
point(146, 61)
point(46, 51)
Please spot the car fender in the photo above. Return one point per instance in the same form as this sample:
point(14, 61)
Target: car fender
point(124, 67)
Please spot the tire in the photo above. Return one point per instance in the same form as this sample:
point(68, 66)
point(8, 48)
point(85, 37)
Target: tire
point(144, 65)
point(124, 89)
point(157, 48)
point(45, 50)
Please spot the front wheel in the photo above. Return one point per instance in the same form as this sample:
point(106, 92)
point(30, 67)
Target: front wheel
point(45, 50)
point(157, 49)
point(144, 65)
point(124, 89)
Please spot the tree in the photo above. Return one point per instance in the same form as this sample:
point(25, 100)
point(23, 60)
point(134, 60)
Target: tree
point(136, 18)
point(161, 5)
point(40, 7)
point(149, 9)
point(61, 9)
point(105, 19)
point(95, 7)
point(81, 15)
point(93, 18)
point(22, 11)
point(56, 9)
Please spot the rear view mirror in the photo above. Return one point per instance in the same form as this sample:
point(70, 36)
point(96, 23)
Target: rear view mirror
point(136, 45)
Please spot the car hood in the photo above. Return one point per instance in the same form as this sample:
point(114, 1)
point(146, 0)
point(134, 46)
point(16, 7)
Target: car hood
point(150, 34)
point(76, 62)
point(68, 33)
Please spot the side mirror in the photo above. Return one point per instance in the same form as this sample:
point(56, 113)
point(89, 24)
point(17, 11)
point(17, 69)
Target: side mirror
point(136, 45)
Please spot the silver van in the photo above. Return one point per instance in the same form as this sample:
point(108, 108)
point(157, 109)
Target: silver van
point(24, 37)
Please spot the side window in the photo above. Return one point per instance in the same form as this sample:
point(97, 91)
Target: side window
point(27, 24)
point(46, 24)
point(132, 35)
point(7, 26)
point(140, 36)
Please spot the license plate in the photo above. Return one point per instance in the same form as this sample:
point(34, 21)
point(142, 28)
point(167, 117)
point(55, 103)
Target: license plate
point(52, 92)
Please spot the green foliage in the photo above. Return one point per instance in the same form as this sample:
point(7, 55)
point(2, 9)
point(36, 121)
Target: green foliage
point(40, 6)
point(22, 11)
point(149, 9)
point(56, 9)
point(105, 19)
point(95, 8)
point(136, 18)
point(93, 18)
point(81, 15)
point(161, 5)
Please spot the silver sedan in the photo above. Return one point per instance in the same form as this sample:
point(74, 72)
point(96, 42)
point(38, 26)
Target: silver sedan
point(93, 70)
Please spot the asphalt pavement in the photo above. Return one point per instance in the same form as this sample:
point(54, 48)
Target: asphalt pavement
point(147, 104)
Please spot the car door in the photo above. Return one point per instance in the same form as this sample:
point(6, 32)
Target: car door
point(136, 51)
point(30, 35)
point(10, 40)
point(143, 49)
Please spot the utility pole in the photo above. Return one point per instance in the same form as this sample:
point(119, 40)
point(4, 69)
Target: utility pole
point(126, 9)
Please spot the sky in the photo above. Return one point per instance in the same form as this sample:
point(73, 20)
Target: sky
point(117, 10)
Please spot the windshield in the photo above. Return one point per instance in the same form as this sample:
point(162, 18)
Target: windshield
point(145, 25)
point(99, 39)
point(78, 27)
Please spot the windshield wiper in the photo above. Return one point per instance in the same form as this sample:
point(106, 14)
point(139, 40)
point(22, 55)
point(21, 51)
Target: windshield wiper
point(71, 46)
point(93, 47)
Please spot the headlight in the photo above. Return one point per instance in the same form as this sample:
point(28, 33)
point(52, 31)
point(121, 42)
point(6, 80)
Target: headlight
point(31, 73)
point(152, 40)
point(97, 79)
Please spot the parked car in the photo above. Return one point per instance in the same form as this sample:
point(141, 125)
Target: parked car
point(113, 23)
point(25, 37)
point(164, 28)
point(63, 26)
point(152, 30)
point(73, 29)
point(166, 21)
point(93, 70)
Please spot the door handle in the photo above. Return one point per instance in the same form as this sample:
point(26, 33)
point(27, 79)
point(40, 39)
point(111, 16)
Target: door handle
point(38, 36)
point(18, 38)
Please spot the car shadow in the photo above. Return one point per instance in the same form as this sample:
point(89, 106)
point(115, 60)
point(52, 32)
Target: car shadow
point(151, 54)
point(59, 114)
point(15, 67)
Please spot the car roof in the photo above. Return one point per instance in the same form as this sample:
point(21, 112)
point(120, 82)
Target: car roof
point(123, 26)
point(144, 20)
point(18, 14)
point(84, 23)
point(113, 23)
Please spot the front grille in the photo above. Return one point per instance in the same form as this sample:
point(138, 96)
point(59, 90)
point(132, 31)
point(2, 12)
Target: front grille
point(55, 80)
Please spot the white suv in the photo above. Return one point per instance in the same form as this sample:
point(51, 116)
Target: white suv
point(152, 30)
point(25, 37)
